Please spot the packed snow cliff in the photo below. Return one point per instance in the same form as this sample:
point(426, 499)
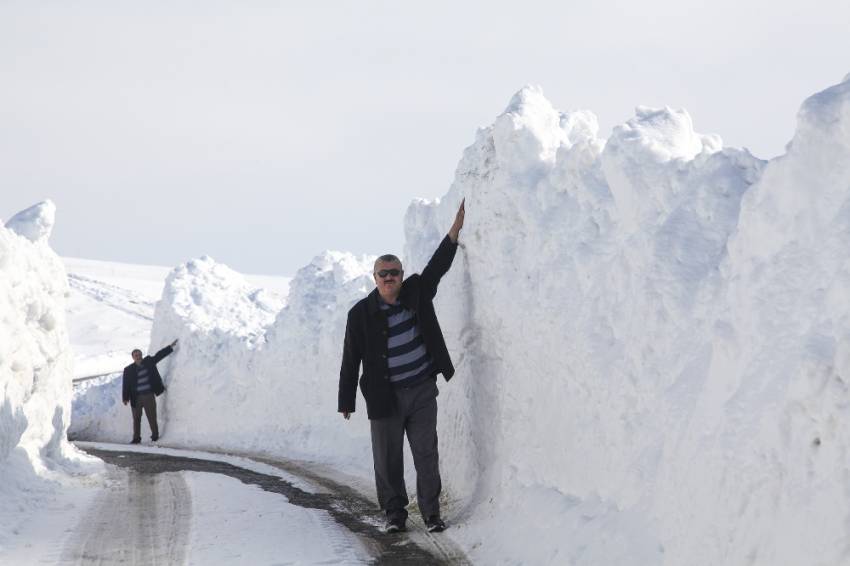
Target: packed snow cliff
point(651, 334)
point(35, 365)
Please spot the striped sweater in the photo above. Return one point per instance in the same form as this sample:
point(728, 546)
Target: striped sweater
point(407, 358)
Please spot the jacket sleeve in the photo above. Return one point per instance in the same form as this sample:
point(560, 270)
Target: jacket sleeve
point(348, 372)
point(161, 354)
point(125, 386)
point(438, 266)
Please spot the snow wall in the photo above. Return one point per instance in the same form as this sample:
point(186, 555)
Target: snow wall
point(35, 364)
point(650, 332)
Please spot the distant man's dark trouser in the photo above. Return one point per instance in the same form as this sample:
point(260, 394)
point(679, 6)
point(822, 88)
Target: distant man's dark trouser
point(416, 414)
point(146, 401)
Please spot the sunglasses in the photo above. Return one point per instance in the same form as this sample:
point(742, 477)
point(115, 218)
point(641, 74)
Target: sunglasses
point(385, 272)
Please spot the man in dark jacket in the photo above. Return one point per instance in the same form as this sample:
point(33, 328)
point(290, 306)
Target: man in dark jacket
point(394, 333)
point(141, 385)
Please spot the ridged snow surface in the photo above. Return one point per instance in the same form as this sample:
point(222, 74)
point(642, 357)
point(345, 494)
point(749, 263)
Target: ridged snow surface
point(35, 366)
point(34, 223)
point(650, 332)
point(263, 378)
point(653, 340)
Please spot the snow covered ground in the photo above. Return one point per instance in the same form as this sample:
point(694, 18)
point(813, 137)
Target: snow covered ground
point(111, 305)
point(192, 518)
point(60, 505)
point(110, 311)
point(650, 332)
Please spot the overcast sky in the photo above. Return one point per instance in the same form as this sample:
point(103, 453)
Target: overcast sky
point(262, 133)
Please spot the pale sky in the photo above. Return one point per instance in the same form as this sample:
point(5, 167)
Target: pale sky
point(262, 133)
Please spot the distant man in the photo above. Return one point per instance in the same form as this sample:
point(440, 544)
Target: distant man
point(141, 386)
point(395, 334)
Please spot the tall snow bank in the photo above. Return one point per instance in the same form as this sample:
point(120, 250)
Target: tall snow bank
point(652, 341)
point(258, 368)
point(35, 364)
point(221, 319)
point(98, 411)
point(34, 354)
point(779, 392)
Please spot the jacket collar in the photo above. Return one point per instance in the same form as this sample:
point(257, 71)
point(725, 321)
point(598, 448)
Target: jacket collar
point(405, 298)
point(372, 302)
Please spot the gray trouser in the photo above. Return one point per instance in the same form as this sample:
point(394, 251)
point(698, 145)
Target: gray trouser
point(416, 414)
point(146, 401)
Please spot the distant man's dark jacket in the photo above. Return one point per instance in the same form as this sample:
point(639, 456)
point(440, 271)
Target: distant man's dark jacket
point(366, 338)
point(131, 376)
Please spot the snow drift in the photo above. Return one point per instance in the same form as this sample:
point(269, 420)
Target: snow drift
point(650, 334)
point(658, 326)
point(35, 365)
point(245, 372)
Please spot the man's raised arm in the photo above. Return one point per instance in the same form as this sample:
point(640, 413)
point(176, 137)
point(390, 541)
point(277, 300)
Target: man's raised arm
point(442, 259)
point(454, 231)
point(164, 352)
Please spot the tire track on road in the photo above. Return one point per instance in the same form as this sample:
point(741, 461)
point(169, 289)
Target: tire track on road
point(140, 519)
point(347, 508)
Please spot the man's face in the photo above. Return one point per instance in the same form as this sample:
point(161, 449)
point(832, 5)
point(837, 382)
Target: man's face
point(388, 276)
point(137, 355)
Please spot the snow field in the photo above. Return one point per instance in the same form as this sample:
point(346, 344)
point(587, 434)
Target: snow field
point(102, 338)
point(650, 335)
point(111, 306)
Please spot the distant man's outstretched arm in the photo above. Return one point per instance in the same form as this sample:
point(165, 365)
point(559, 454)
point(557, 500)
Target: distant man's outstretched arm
point(164, 352)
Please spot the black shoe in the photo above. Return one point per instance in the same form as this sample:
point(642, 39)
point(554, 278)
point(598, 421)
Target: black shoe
point(395, 525)
point(435, 525)
point(136, 441)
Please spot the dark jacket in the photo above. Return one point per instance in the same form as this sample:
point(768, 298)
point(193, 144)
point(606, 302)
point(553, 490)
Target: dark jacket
point(131, 375)
point(366, 338)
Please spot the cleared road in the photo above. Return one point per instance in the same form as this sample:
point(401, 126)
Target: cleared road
point(144, 516)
